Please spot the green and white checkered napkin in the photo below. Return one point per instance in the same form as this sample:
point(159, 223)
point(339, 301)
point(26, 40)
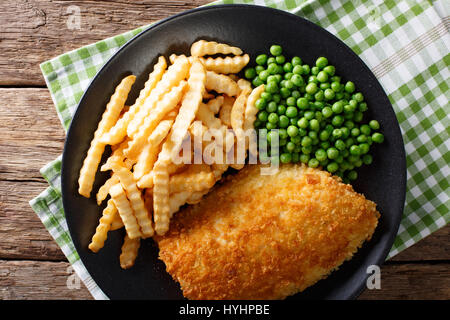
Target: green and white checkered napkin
point(406, 45)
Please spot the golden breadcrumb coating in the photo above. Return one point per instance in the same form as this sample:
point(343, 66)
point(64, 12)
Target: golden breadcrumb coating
point(266, 237)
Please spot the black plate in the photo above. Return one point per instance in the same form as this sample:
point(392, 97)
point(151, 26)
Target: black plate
point(253, 29)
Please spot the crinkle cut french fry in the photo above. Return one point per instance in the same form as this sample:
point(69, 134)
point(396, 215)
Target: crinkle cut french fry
point(226, 65)
point(135, 198)
point(96, 149)
point(101, 232)
point(215, 104)
point(174, 75)
point(203, 48)
point(186, 114)
point(206, 116)
point(147, 180)
point(251, 110)
point(250, 114)
point(237, 112)
point(103, 191)
point(161, 207)
point(117, 222)
point(116, 156)
point(165, 105)
point(119, 131)
point(129, 252)
point(221, 83)
point(225, 111)
point(149, 154)
point(125, 211)
point(196, 178)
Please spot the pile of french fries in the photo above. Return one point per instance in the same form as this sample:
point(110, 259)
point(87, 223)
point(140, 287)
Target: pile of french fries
point(179, 101)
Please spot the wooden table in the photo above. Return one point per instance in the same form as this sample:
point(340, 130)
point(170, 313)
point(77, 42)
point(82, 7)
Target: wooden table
point(31, 264)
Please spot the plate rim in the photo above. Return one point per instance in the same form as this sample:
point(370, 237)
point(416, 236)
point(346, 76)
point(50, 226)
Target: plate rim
point(402, 175)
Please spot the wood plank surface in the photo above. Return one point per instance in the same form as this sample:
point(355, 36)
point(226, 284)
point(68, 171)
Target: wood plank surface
point(56, 280)
point(34, 31)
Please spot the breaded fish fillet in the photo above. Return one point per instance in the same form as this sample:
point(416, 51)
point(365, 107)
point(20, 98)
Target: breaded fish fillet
point(266, 237)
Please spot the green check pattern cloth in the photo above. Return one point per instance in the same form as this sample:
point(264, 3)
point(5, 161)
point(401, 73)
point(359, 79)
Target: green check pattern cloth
point(406, 45)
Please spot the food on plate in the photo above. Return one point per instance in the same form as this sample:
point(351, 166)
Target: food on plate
point(266, 236)
point(147, 185)
point(316, 117)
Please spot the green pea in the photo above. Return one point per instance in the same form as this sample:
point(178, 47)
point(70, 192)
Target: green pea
point(349, 87)
point(352, 175)
point(302, 103)
point(250, 73)
point(349, 124)
point(271, 107)
point(332, 153)
point(271, 60)
point(306, 141)
point(266, 95)
point(313, 163)
point(340, 144)
point(325, 145)
point(292, 131)
point(296, 61)
point(261, 59)
point(297, 80)
point(291, 112)
point(358, 116)
point(257, 82)
point(281, 109)
point(338, 107)
point(322, 76)
point(325, 85)
point(293, 121)
point(280, 59)
point(319, 96)
point(271, 87)
point(285, 92)
point(298, 69)
point(288, 75)
point(337, 121)
point(287, 67)
point(332, 167)
point(320, 154)
point(327, 112)
point(324, 135)
point(295, 157)
point(272, 68)
point(288, 84)
point(261, 103)
point(367, 159)
point(364, 148)
point(295, 94)
point(309, 115)
point(358, 97)
point(321, 62)
point(365, 129)
point(303, 123)
point(263, 75)
point(330, 70)
point(348, 108)
point(336, 133)
point(258, 69)
point(315, 70)
point(363, 107)
point(263, 116)
point(374, 124)
point(290, 147)
point(275, 50)
point(270, 126)
point(329, 94)
point(355, 150)
point(283, 121)
point(311, 88)
point(335, 86)
point(306, 69)
point(276, 97)
point(314, 125)
point(378, 137)
point(273, 118)
point(336, 79)
point(304, 158)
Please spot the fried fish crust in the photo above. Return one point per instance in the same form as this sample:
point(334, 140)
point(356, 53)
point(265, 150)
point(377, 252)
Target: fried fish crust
point(266, 236)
